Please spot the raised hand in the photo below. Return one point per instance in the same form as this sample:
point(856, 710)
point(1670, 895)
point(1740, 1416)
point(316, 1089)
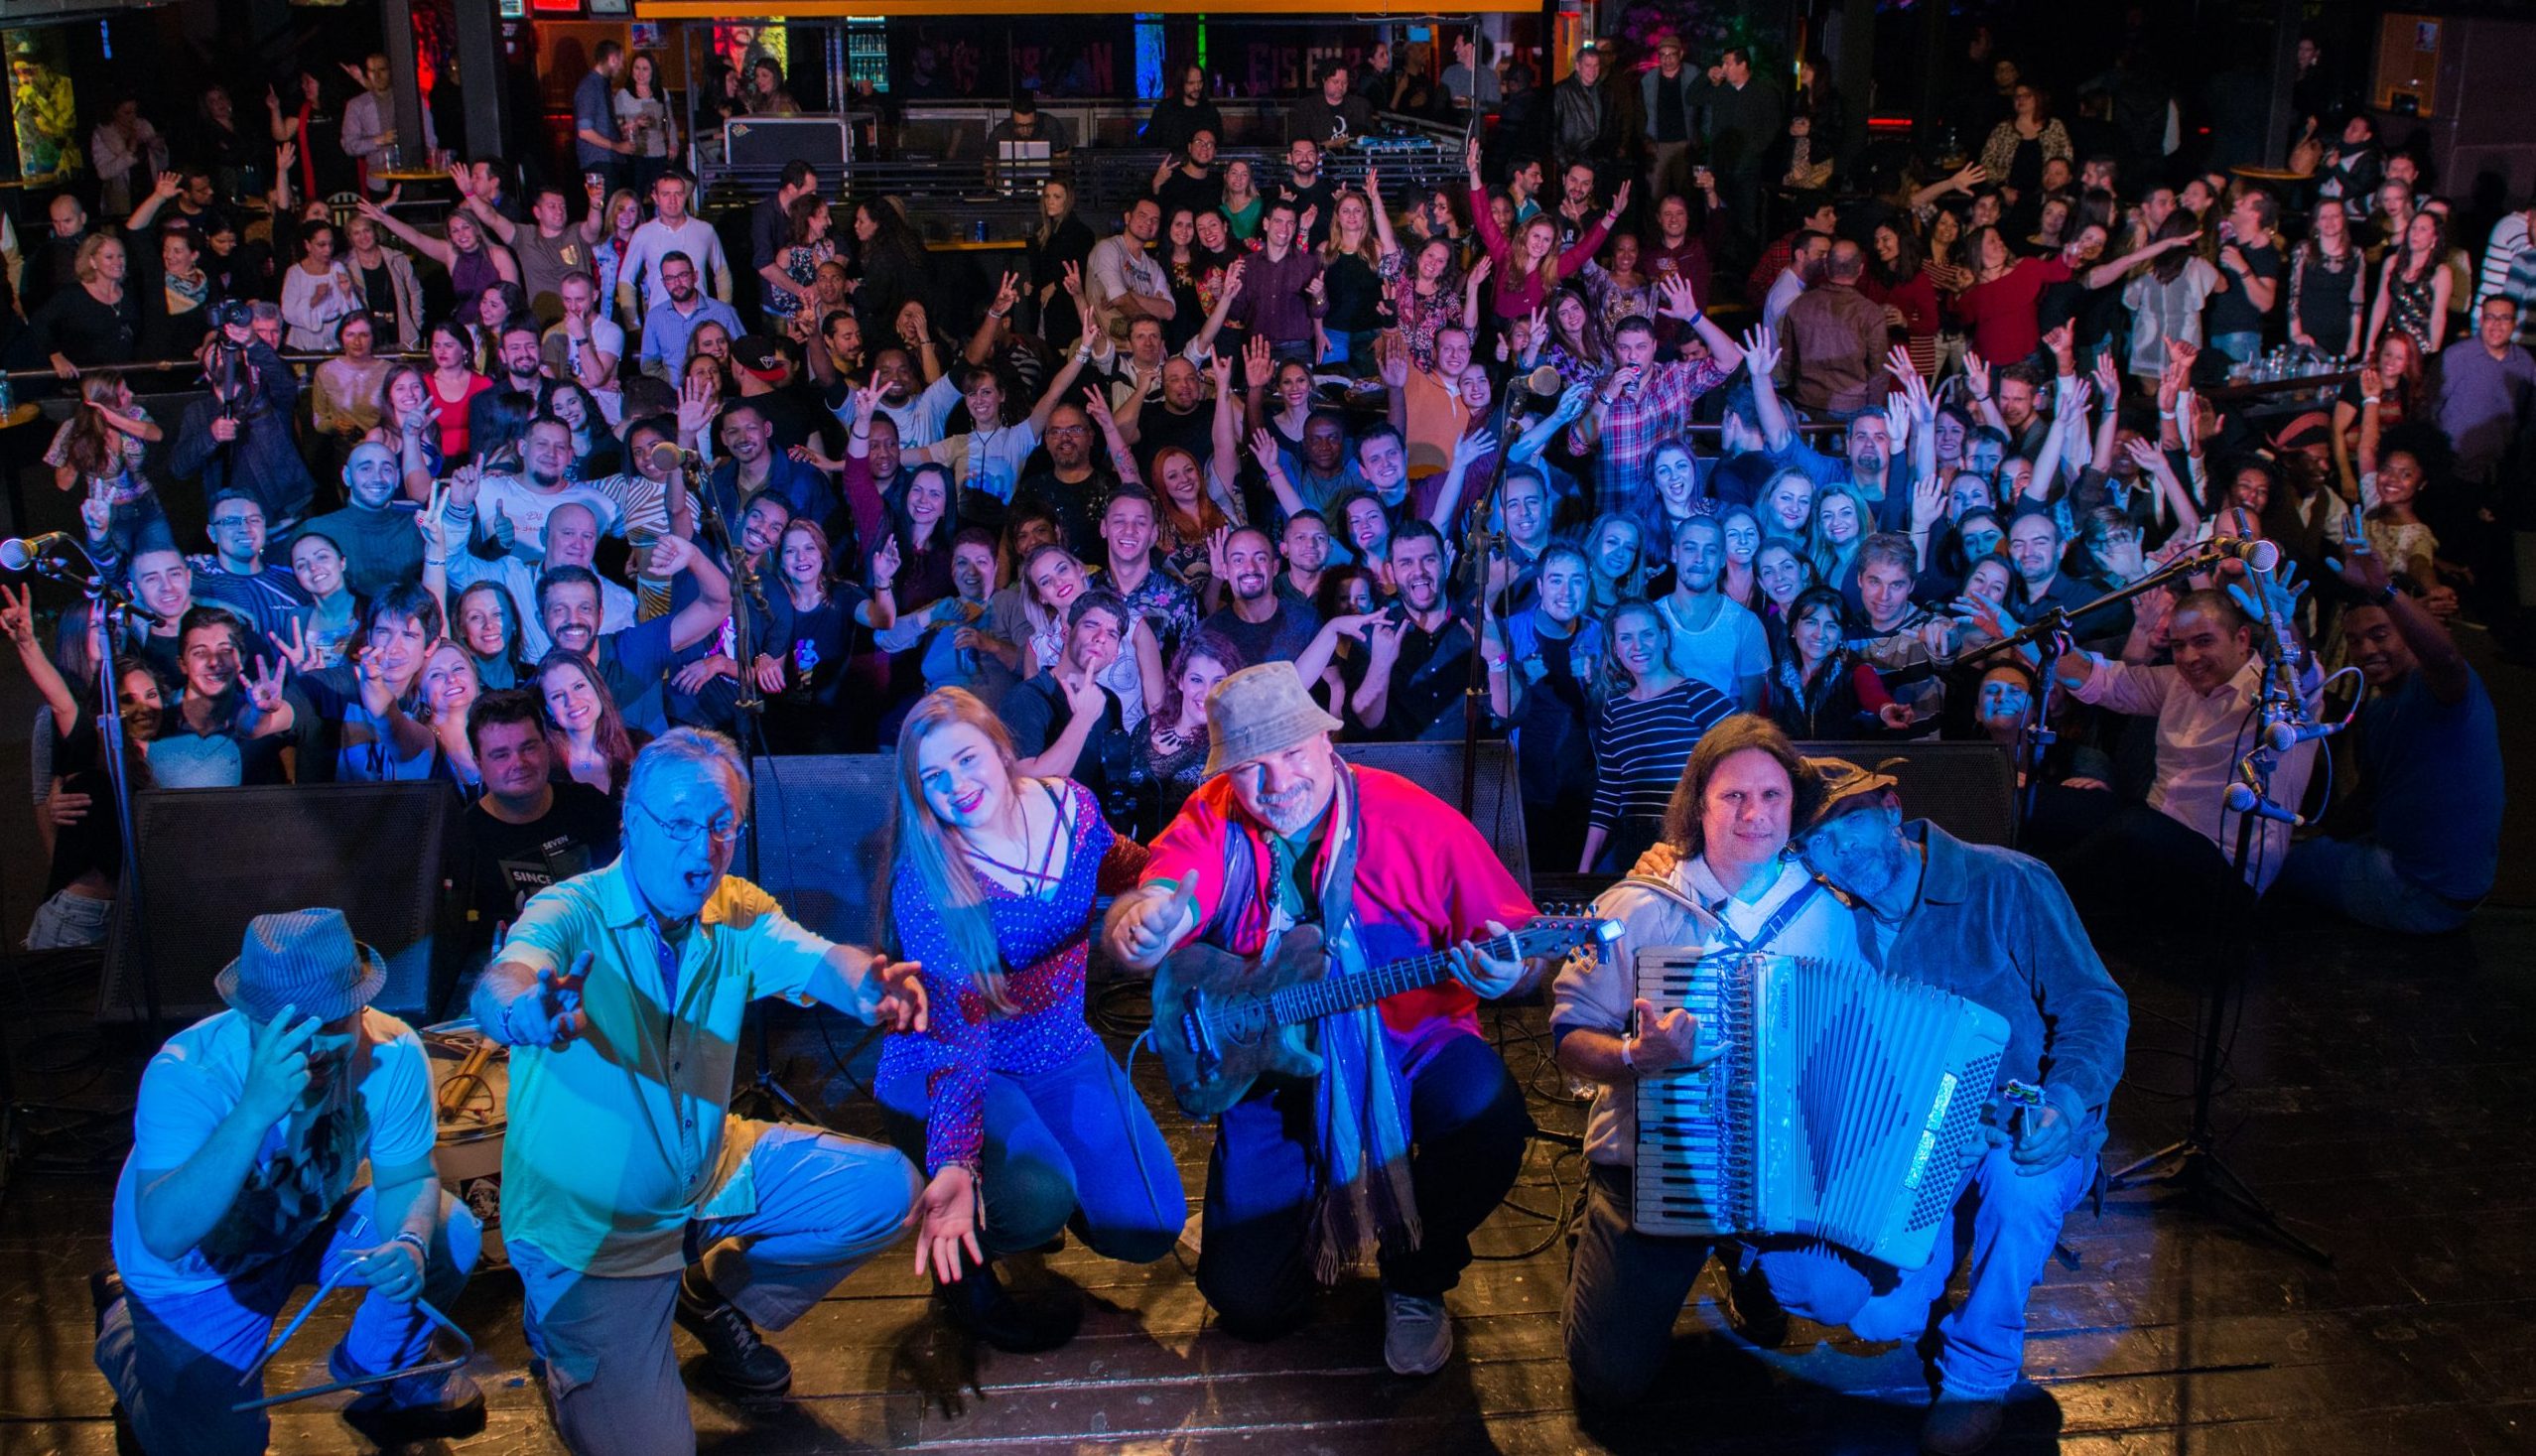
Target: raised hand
point(298, 652)
point(1232, 285)
point(1216, 540)
point(1263, 449)
point(1976, 376)
point(1391, 359)
point(1679, 300)
point(17, 614)
point(1220, 368)
point(1897, 413)
point(1074, 281)
point(671, 555)
point(1259, 365)
point(1620, 199)
point(1473, 447)
point(379, 694)
point(263, 686)
point(1928, 504)
point(1761, 350)
point(1007, 294)
point(1154, 918)
point(884, 564)
point(96, 512)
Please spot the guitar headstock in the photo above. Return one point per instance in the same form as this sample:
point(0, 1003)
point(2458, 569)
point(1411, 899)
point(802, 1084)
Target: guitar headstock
point(1561, 928)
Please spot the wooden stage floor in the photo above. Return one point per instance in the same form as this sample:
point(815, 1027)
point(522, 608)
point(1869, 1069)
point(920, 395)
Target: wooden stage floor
point(2384, 1099)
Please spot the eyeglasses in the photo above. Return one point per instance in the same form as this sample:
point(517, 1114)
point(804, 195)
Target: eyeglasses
point(723, 830)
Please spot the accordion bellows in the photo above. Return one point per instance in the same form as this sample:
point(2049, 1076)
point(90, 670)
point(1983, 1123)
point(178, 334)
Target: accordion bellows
point(1838, 1108)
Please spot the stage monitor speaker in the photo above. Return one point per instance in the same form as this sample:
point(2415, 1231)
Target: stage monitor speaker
point(1969, 790)
point(1497, 803)
point(822, 823)
point(211, 860)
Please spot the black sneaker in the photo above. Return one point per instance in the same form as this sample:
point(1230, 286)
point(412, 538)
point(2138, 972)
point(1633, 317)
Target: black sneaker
point(1752, 1310)
point(735, 1359)
point(441, 1404)
point(982, 1306)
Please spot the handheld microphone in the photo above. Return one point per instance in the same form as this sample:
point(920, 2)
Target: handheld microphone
point(666, 455)
point(2261, 555)
point(17, 554)
point(2242, 799)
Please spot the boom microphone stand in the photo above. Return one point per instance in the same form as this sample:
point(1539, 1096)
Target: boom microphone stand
point(2192, 1163)
point(1483, 541)
point(746, 589)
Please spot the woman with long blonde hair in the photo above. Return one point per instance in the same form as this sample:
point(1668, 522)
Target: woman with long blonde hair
point(1022, 1120)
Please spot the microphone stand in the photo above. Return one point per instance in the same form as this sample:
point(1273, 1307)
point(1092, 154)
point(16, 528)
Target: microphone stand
point(2192, 1163)
point(750, 705)
point(1483, 539)
point(119, 610)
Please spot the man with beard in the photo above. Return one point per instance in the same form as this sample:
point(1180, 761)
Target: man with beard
point(1282, 297)
point(248, 1132)
point(515, 506)
point(915, 408)
point(571, 539)
point(1313, 194)
point(527, 831)
point(752, 465)
point(671, 322)
point(1064, 723)
point(2417, 848)
point(1194, 183)
point(633, 1198)
point(1179, 117)
point(236, 576)
point(375, 532)
point(1995, 927)
point(671, 232)
point(632, 661)
point(1642, 403)
point(1076, 492)
point(1419, 654)
point(1715, 639)
point(1184, 418)
point(2034, 549)
point(1414, 1131)
point(1325, 472)
point(1305, 545)
point(498, 417)
point(1124, 280)
point(1265, 623)
point(1333, 115)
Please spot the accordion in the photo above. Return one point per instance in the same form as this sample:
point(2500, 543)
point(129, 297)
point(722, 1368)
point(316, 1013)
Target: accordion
point(1838, 1108)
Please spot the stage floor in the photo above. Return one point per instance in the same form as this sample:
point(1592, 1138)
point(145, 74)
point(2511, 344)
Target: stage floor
point(2383, 1098)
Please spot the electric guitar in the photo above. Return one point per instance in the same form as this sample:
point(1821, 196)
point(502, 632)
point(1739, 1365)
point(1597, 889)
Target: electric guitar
point(1221, 1019)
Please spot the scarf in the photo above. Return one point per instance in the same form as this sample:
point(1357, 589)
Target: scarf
point(1365, 1206)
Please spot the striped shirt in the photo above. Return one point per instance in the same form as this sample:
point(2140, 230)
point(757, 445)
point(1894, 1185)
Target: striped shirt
point(1640, 748)
point(2509, 271)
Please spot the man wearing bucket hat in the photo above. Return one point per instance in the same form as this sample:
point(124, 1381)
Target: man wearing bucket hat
point(632, 1197)
point(249, 1127)
point(1311, 1177)
point(1995, 927)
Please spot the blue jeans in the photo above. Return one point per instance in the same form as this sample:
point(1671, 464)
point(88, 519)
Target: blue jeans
point(2009, 1221)
point(2358, 877)
point(67, 920)
point(825, 1204)
point(1073, 1141)
point(175, 1362)
point(1467, 1128)
point(2239, 346)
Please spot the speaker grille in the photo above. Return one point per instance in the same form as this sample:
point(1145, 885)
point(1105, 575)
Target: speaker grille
point(1969, 790)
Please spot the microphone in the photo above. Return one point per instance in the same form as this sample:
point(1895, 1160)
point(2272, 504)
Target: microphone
point(666, 455)
point(1543, 382)
point(19, 553)
point(2242, 799)
point(2281, 737)
point(2261, 555)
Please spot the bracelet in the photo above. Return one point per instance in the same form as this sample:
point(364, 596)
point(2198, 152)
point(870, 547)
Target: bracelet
point(1629, 1052)
point(408, 1236)
point(2387, 593)
point(2368, 399)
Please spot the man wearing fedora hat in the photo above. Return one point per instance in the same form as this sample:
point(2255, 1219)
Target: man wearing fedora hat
point(631, 1196)
point(1995, 927)
point(1310, 1178)
point(247, 1133)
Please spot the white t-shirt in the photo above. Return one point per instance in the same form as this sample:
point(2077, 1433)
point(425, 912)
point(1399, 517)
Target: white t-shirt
point(303, 1171)
point(527, 506)
point(1734, 648)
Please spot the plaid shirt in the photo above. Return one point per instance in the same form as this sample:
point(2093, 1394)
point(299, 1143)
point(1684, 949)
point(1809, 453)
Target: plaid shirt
point(1647, 415)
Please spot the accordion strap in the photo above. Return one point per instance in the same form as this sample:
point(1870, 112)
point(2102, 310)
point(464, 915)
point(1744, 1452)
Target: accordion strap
point(1735, 942)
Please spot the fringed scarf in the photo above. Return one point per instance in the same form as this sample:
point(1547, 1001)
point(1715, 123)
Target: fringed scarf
point(1366, 1205)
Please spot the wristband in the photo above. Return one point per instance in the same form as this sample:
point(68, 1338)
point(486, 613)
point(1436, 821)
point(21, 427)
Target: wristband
point(2387, 593)
point(2368, 399)
point(408, 1236)
point(1629, 1052)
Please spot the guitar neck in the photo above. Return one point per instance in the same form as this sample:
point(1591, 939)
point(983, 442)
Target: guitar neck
point(1311, 1000)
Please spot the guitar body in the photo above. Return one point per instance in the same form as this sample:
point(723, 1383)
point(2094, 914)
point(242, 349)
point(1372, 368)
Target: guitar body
point(1213, 1026)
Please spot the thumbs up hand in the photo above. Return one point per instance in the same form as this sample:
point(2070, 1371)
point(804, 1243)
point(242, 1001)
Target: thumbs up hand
point(1149, 923)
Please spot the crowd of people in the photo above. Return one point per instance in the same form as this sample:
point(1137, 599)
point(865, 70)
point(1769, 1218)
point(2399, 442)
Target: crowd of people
point(1667, 439)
